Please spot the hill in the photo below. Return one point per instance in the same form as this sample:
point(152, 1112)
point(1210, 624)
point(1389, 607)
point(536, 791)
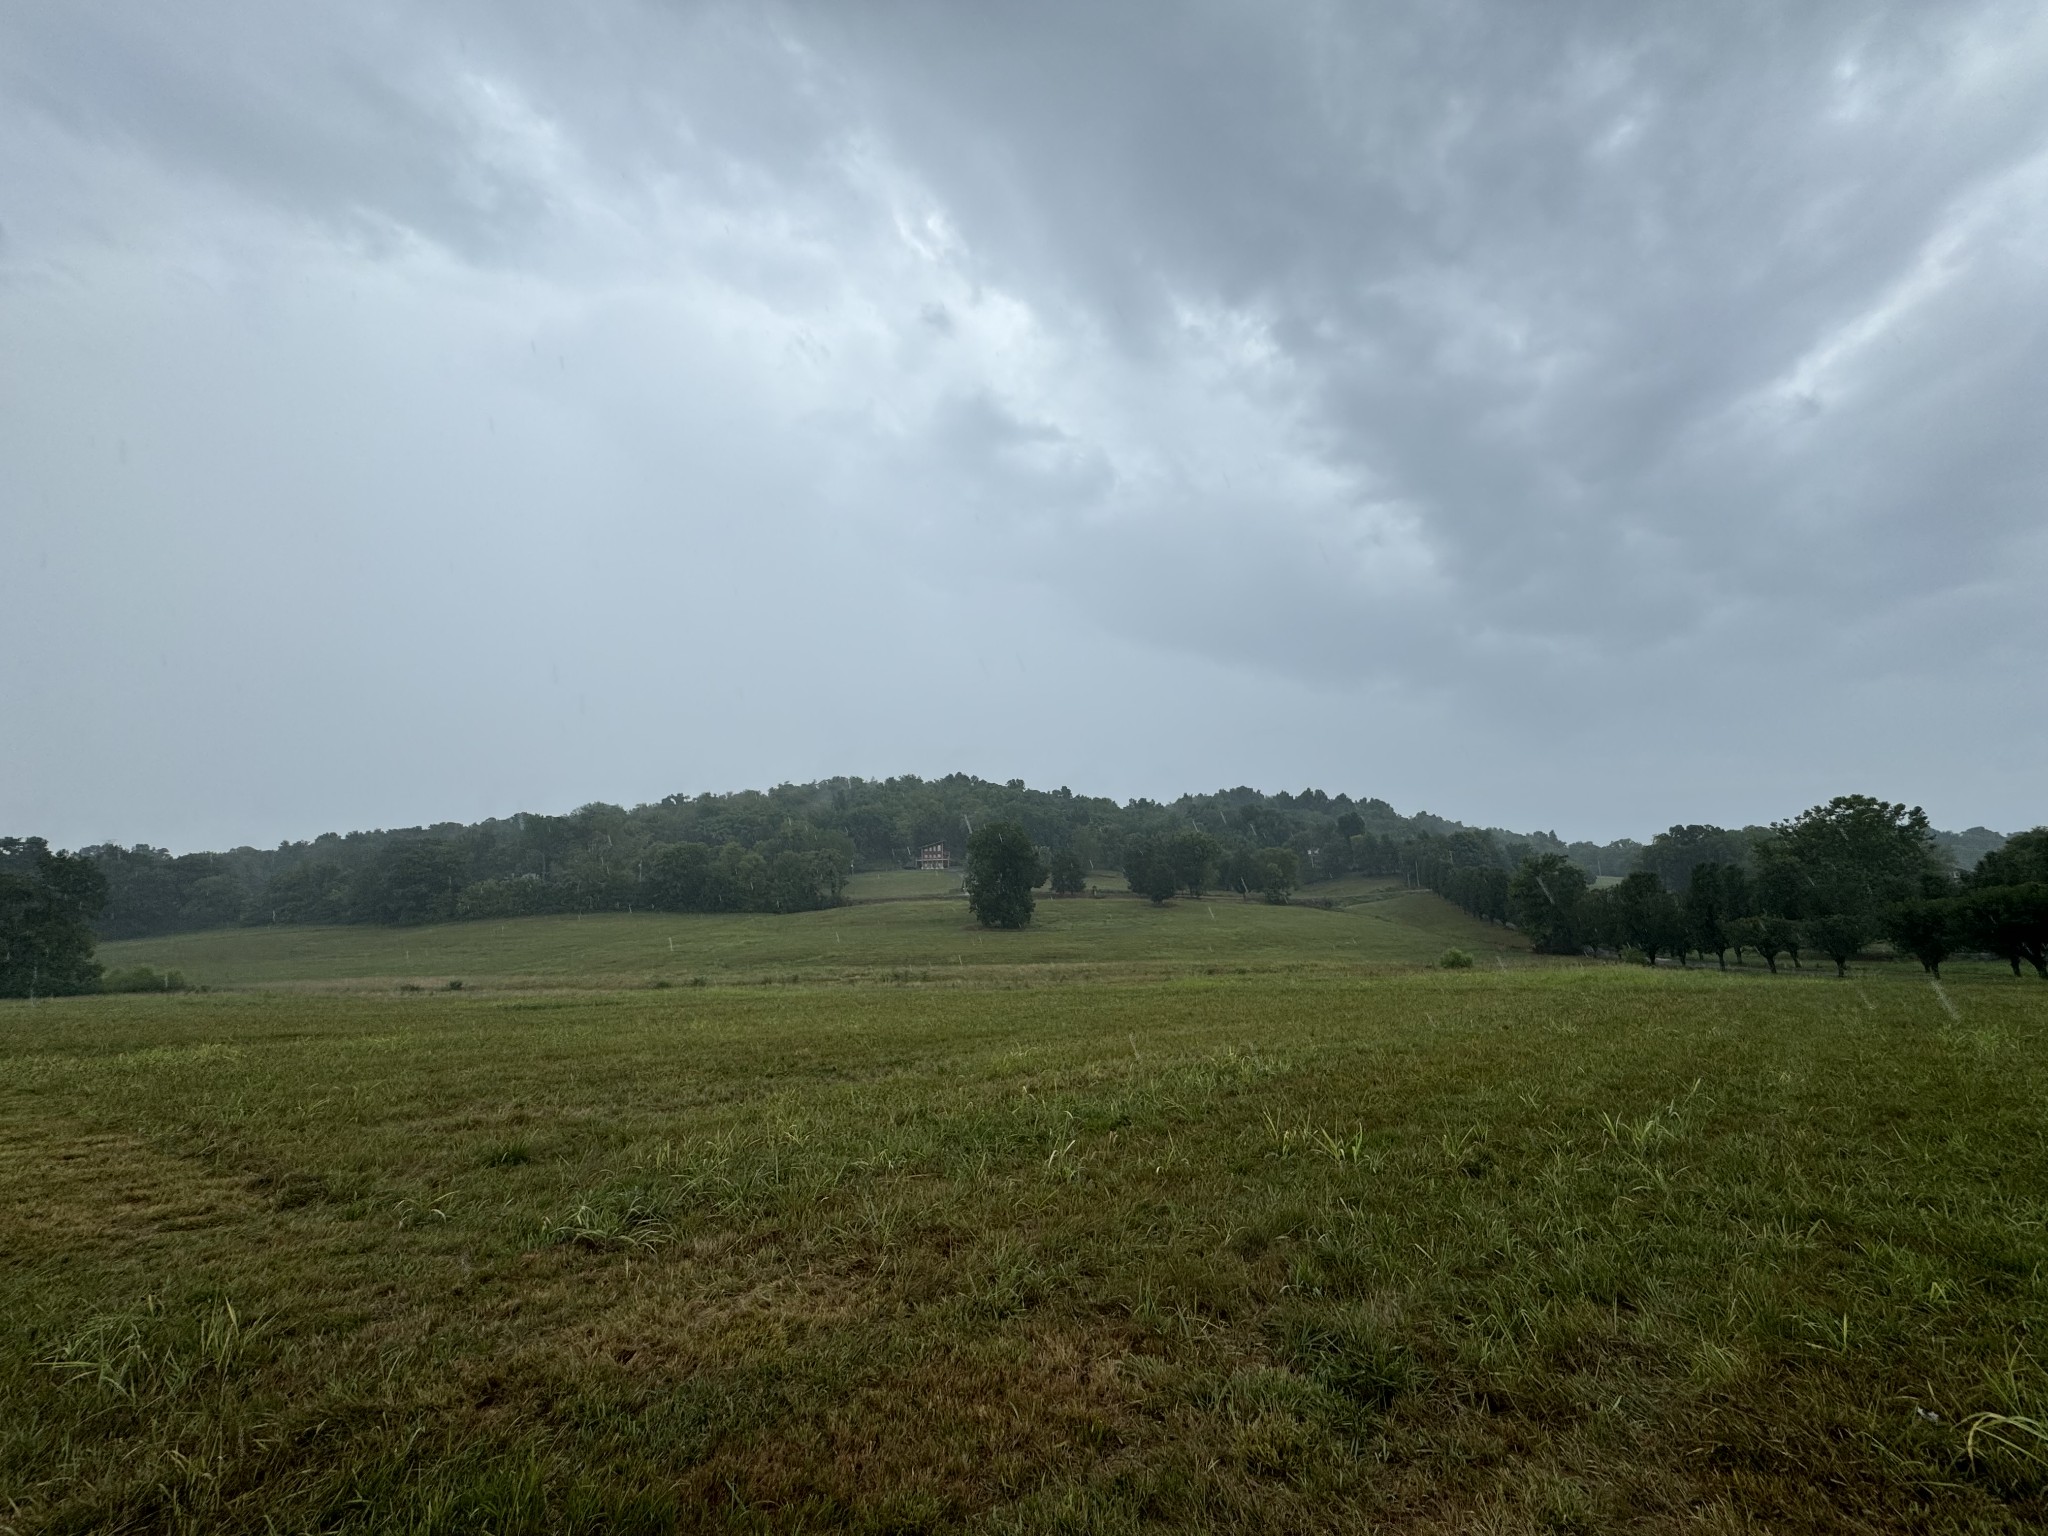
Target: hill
point(1380, 923)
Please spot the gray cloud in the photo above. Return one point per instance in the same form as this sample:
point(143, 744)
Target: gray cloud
point(1588, 415)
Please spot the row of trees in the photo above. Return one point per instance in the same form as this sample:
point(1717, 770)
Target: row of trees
point(424, 880)
point(790, 847)
point(420, 877)
point(600, 857)
point(49, 901)
point(1159, 865)
point(1005, 868)
point(1832, 881)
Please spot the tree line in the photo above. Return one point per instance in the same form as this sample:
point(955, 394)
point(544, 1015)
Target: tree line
point(791, 849)
point(608, 858)
point(1830, 881)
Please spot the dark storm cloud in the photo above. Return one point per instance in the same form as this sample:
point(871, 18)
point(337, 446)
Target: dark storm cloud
point(1578, 414)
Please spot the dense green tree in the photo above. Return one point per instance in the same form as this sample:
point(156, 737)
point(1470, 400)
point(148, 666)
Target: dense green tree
point(47, 905)
point(1069, 873)
point(1673, 855)
point(2011, 922)
point(1708, 910)
point(2022, 861)
point(313, 892)
point(2005, 906)
point(144, 892)
point(150, 891)
point(1840, 936)
point(1276, 872)
point(1770, 937)
point(1240, 869)
point(518, 896)
point(1194, 854)
point(1003, 869)
point(677, 876)
point(1545, 896)
point(1929, 929)
point(213, 901)
point(1480, 890)
point(733, 879)
point(1149, 868)
point(1737, 892)
point(1646, 917)
point(804, 881)
point(1854, 856)
point(414, 881)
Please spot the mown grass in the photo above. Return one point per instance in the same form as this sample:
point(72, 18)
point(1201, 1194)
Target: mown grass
point(1567, 1250)
point(903, 940)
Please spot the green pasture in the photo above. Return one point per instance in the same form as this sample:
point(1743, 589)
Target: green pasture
point(1549, 1250)
point(905, 885)
point(1116, 936)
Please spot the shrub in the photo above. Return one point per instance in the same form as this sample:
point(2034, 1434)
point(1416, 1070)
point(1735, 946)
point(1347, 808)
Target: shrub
point(141, 978)
point(1455, 960)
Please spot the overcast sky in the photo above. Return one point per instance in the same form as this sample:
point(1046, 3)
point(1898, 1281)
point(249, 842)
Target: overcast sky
point(1575, 416)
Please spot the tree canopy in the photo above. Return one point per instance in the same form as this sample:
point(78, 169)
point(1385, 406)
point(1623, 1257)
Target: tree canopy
point(793, 847)
point(1545, 898)
point(1854, 855)
point(47, 904)
point(1069, 873)
point(1150, 869)
point(1003, 869)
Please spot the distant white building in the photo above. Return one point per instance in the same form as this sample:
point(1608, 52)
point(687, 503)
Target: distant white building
point(933, 856)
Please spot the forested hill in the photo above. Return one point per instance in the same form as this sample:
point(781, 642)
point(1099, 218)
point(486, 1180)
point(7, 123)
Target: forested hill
point(785, 849)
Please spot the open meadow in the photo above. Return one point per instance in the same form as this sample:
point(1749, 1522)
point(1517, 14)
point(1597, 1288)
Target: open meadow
point(910, 929)
point(1215, 1216)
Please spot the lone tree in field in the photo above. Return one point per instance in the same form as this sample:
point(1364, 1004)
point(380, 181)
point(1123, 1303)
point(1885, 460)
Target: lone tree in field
point(1003, 868)
point(1069, 873)
point(1149, 868)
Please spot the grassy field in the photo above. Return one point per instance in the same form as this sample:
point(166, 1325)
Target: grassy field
point(1331, 1244)
point(905, 885)
point(1109, 937)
